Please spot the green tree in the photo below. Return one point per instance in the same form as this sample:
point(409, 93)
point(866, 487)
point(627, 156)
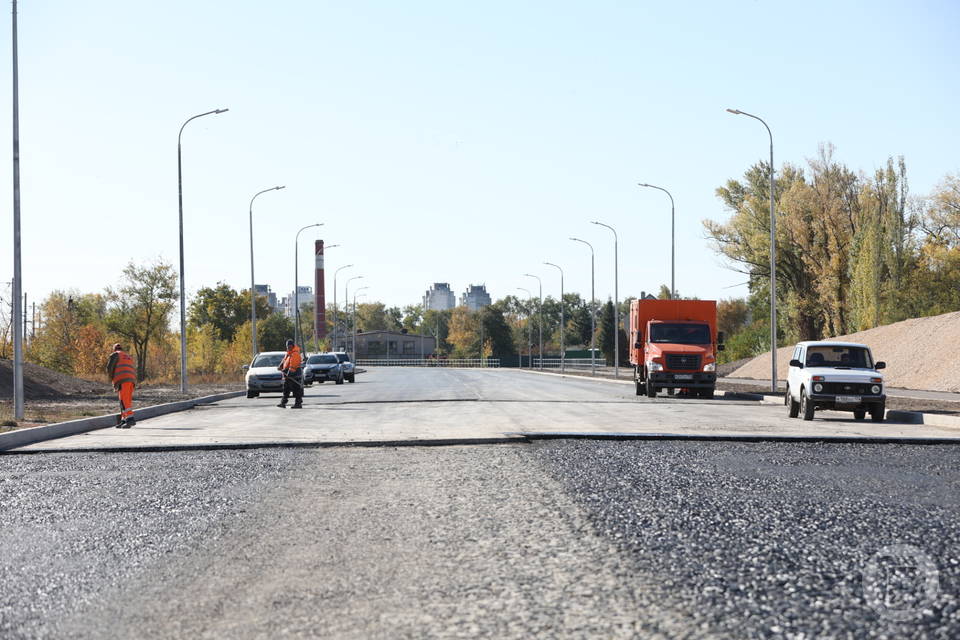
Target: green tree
point(374, 316)
point(497, 336)
point(607, 331)
point(732, 315)
point(139, 309)
point(273, 332)
point(222, 308)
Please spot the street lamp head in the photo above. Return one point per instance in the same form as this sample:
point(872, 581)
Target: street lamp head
point(644, 184)
point(735, 111)
point(221, 110)
point(278, 188)
point(576, 239)
point(330, 246)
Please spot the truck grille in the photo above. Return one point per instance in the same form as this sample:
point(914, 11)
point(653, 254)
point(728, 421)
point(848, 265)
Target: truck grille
point(847, 388)
point(683, 362)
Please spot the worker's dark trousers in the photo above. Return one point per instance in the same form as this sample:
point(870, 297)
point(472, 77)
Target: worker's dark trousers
point(294, 384)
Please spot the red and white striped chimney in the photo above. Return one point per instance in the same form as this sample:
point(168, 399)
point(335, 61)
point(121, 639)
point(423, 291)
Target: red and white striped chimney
point(320, 298)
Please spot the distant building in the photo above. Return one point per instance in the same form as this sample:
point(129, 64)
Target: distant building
point(475, 297)
point(264, 290)
point(395, 345)
point(439, 297)
point(304, 296)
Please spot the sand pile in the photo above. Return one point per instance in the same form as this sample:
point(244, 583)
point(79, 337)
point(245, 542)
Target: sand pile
point(40, 382)
point(921, 353)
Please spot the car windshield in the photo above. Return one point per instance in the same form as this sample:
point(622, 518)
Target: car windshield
point(839, 357)
point(342, 357)
point(268, 360)
point(680, 333)
point(322, 360)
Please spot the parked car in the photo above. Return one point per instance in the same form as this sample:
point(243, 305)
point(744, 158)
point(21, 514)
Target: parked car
point(835, 375)
point(262, 374)
point(347, 366)
point(324, 367)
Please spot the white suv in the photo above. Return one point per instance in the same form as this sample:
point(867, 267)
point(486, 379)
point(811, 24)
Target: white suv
point(835, 375)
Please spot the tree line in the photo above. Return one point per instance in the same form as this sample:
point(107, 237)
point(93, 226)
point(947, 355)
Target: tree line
point(855, 250)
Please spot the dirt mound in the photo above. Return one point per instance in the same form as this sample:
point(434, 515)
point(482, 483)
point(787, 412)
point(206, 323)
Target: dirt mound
point(40, 382)
point(921, 353)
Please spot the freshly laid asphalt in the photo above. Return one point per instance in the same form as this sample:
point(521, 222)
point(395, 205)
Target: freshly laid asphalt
point(555, 539)
point(456, 405)
point(563, 538)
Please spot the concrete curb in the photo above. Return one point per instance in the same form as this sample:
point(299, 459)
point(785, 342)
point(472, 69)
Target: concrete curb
point(720, 437)
point(933, 419)
point(22, 437)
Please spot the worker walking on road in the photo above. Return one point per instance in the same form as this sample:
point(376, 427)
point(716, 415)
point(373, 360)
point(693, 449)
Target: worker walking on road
point(124, 377)
point(292, 368)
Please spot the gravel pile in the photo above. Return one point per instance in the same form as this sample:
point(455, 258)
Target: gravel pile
point(921, 353)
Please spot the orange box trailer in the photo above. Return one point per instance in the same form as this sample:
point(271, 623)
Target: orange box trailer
point(674, 346)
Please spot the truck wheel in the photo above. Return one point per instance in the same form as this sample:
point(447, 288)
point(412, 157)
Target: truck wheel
point(651, 390)
point(806, 407)
point(791, 403)
point(859, 414)
point(706, 394)
point(876, 412)
point(641, 388)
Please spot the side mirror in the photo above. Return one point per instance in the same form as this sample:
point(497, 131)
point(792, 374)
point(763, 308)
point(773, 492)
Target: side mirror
point(880, 365)
point(720, 337)
point(721, 347)
point(245, 367)
point(796, 363)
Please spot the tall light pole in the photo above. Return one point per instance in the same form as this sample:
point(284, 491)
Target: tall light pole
point(253, 290)
point(773, 259)
point(355, 321)
point(529, 331)
point(17, 285)
point(540, 283)
point(336, 314)
point(673, 241)
point(616, 303)
point(563, 348)
point(346, 302)
point(297, 338)
point(183, 289)
point(593, 312)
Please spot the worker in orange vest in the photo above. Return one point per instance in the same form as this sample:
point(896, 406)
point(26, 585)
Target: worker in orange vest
point(292, 368)
point(123, 374)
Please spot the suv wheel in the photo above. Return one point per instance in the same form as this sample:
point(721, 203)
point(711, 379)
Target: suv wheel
point(793, 404)
point(351, 379)
point(252, 394)
point(806, 407)
point(859, 414)
point(876, 412)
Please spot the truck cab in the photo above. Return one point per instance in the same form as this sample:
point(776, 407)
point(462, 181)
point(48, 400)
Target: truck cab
point(674, 346)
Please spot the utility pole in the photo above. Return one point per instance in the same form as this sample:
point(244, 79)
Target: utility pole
point(17, 275)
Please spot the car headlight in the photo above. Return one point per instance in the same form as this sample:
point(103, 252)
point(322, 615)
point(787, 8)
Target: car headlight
point(818, 387)
point(654, 366)
point(875, 389)
point(710, 366)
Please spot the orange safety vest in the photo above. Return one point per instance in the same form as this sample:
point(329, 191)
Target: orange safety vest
point(292, 359)
point(124, 371)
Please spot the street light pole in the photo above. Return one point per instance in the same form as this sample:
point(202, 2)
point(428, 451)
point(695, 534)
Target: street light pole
point(563, 348)
point(336, 313)
point(297, 338)
point(773, 259)
point(346, 304)
point(17, 284)
point(673, 241)
point(355, 321)
point(593, 312)
point(183, 290)
point(616, 303)
point(253, 291)
point(540, 323)
point(529, 332)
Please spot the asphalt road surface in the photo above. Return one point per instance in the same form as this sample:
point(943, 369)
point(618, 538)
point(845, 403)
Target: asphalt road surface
point(560, 538)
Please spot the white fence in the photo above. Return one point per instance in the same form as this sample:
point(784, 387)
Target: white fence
point(574, 363)
point(490, 363)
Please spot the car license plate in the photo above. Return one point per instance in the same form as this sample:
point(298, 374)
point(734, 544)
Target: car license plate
point(683, 376)
point(848, 399)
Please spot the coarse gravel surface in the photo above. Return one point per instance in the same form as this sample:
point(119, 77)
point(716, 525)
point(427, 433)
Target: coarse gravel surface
point(555, 539)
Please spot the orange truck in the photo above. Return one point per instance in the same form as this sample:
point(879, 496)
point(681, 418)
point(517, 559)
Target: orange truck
point(674, 346)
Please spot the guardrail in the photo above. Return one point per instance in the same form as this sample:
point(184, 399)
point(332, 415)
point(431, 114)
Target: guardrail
point(554, 363)
point(487, 363)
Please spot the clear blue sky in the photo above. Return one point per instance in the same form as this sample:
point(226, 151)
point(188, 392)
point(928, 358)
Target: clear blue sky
point(447, 141)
